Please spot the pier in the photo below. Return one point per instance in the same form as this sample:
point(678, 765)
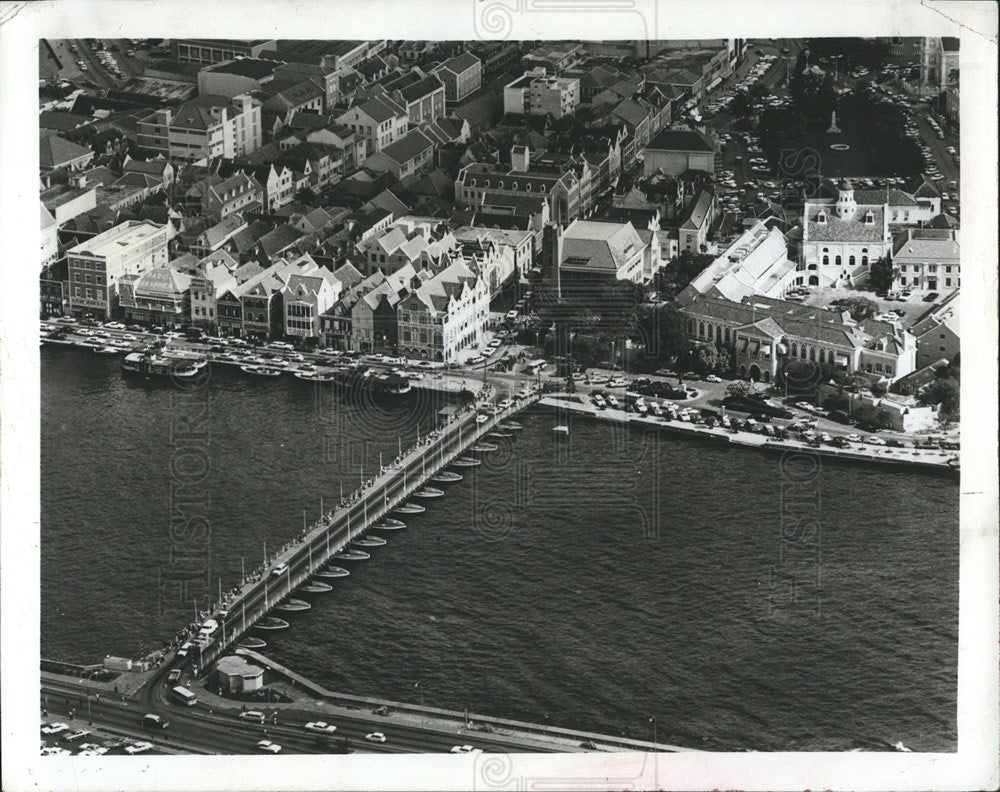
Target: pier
point(333, 533)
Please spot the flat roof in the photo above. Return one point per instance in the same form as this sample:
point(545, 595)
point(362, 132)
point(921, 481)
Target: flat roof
point(115, 239)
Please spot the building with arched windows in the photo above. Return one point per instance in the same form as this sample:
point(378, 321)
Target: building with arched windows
point(842, 237)
point(765, 333)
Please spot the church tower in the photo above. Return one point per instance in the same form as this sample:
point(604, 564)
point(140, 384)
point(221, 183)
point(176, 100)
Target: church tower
point(846, 207)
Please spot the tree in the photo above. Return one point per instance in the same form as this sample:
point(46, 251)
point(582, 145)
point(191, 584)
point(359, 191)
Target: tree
point(662, 332)
point(881, 274)
point(879, 389)
point(860, 308)
point(945, 392)
point(305, 195)
point(737, 389)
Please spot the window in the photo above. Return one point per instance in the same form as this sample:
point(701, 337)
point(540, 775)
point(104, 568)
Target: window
point(839, 261)
point(902, 281)
point(826, 260)
point(878, 367)
point(850, 262)
point(947, 282)
point(864, 261)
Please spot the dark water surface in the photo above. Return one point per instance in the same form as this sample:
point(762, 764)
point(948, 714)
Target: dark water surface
point(745, 600)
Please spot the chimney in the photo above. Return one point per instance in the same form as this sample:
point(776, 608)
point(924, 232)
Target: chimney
point(520, 158)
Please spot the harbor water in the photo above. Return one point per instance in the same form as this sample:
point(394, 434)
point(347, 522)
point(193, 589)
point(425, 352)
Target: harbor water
point(747, 601)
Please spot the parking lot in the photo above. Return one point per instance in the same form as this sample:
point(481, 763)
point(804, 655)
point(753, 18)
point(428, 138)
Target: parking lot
point(912, 309)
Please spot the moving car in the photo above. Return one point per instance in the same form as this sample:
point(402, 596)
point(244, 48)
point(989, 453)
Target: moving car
point(266, 746)
point(320, 726)
point(253, 716)
point(712, 378)
point(92, 749)
point(150, 721)
point(376, 737)
point(138, 747)
point(465, 749)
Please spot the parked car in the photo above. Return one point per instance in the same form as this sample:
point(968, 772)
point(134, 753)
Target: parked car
point(713, 378)
point(931, 297)
point(376, 737)
point(138, 747)
point(54, 728)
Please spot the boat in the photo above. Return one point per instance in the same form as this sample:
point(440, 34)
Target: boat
point(107, 350)
point(511, 426)
point(392, 383)
point(466, 462)
point(314, 376)
point(370, 541)
point(428, 492)
point(293, 606)
point(499, 435)
point(483, 447)
point(252, 643)
point(196, 359)
point(264, 371)
point(316, 587)
point(332, 572)
point(352, 555)
point(562, 430)
point(160, 365)
point(410, 508)
point(446, 477)
point(272, 623)
point(389, 524)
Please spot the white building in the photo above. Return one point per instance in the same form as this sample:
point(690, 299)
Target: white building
point(841, 238)
point(444, 315)
point(926, 259)
point(755, 263)
point(96, 265)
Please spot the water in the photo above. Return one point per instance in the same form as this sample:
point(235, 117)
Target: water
point(746, 601)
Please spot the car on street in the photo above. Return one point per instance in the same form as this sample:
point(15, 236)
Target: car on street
point(115, 326)
point(512, 314)
point(321, 727)
point(713, 378)
point(876, 441)
point(465, 749)
point(376, 737)
point(74, 736)
point(281, 569)
point(475, 359)
point(854, 438)
point(54, 728)
point(92, 749)
point(138, 747)
point(931, 297)
point(266, 746)
point(55, 750)
point(904, 296)
point(151, 721)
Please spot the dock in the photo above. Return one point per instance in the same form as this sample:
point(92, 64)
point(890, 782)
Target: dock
point(926, 459)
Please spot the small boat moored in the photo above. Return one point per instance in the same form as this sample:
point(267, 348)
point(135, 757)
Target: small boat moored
point(293, 606)
point(466, 462)
point(446, 477)
point(316, 587)
point(428, 492)
point(370, 541)
point(389, 524)
point(511, 426)
point(352, 555)
point(332, 572)
point(499, 435)
point(561, 430)
point(484, 447)
point(410, 508)
point(252, 643)
point(272, 623)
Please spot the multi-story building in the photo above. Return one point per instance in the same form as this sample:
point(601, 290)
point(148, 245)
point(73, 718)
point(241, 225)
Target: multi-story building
point(842, 238)
point(517, 93)
point(379, 120)
point(239, 193)
point(210, 281)
point(204, 128)
point(235, 77)
point(55, 153)
point(926, 259)
point(696, 220)
point(305, 297)
point(939, 64)
point(589, 254)
point(564, 185)
point(96, 266)
point(412, 153)
point(423, 97)
point(675, 151)
point(160, 296)
point(217, 50)
point(764, 333)
point(462, 76)
point(939, 332)
point(555, 96)
point(444, 315)
point(519, 242)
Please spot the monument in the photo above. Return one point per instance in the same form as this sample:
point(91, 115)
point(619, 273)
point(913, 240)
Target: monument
point(834, 129)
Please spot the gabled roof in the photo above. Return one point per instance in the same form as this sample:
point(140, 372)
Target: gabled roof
point(54, 151)
point(163, 281)
point(154, 167)
point(682, 140)
point(460, 63)
point(408, 147)
point(421, 88)
point(599, 246)
point(280, 239)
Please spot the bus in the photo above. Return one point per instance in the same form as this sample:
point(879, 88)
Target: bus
point(184, 696)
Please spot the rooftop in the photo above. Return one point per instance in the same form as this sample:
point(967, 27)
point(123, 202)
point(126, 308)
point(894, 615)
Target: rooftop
point(682, 140)
point(114, 240)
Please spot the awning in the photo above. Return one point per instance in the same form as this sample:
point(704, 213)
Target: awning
point(754, 347)
point(743, 345)
point(448, 411)
point(841, 360)
point(536, 363)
